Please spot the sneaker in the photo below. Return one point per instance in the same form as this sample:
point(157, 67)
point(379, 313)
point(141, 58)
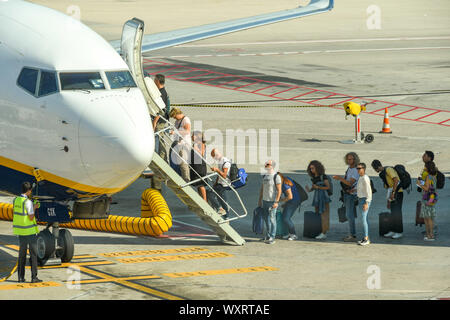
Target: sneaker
point(286, 237)
point(270, 241)
point(350, 238)
point(221, 211)
point(292, 237)
point(321, 236)
point(428, 239)
point(397, 235)
point(36, 280)
point(389, 234)
point(364, 242)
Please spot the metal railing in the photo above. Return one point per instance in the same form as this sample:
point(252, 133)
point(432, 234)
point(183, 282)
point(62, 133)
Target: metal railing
point(168, 141)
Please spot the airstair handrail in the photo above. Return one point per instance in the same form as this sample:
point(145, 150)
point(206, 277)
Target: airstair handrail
point(200, 178)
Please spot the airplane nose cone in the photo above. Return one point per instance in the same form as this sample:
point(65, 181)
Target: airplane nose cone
point(116, 140)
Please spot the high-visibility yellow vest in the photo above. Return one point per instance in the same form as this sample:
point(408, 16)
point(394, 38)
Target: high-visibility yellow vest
point(22, 225)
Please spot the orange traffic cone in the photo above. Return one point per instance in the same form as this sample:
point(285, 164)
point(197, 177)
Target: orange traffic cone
point(386, 126)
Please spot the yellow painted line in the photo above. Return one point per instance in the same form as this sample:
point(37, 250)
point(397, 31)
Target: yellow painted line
point(30, 285)
point(176, 258)
point(151, 291)
point(218, 272)
point(112, 279)
point(68, 264)
point(87, 256)
point(108, 278)
point(150, 252)
point(12, 246)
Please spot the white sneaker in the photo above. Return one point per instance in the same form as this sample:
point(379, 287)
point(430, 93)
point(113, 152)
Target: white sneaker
point(321, 236)
point(397, 236)
point(389, 234)
point(292, 237)
point(270, 241)
point(286, 237)
point(221, 211)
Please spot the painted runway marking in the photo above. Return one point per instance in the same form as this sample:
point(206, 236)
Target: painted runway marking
point(150, 252)
point(128, 283)
point(265, 43)
point(218, 272)
point(177, 258)
point(29, 285)
point(316, 97)
point(300, 52)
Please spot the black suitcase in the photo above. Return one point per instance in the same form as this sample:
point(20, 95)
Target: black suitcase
point(312, 224)
point(385, 223)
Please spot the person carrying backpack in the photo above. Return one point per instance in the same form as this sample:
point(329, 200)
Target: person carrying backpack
point(269, 197)
point(321, 185)
point(222, 182)
point(429, 199)
point(291, 202)
point(392, 182)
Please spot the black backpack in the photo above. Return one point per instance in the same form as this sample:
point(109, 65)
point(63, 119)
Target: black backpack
point(234, 171)
point(440, 180)
point(404, 176)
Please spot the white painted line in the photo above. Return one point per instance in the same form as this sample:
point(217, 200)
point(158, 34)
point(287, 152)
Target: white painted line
point(313, 41)
point(307, 52)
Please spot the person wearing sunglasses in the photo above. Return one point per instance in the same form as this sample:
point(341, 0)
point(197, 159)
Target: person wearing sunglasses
point(364, 192)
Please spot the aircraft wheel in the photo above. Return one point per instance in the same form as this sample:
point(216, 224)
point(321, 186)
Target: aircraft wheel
point(66, 244)
point(369, 138)
point(45, 246)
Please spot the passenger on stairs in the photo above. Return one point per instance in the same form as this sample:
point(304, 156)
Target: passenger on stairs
point(222, 183)
point(182, 139)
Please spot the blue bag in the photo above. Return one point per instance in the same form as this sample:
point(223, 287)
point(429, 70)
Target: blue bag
point(258, 221)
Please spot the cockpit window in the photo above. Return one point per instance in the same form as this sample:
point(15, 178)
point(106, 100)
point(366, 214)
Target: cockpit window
point(47, 84)
point(120, 79)
point(27, 79)
point(81, 80)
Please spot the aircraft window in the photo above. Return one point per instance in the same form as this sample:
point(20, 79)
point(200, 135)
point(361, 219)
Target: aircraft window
point(47, 85)
point(81, 80)
point(27, 79)
point(120, 79)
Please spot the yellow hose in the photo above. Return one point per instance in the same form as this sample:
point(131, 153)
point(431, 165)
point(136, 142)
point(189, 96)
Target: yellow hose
point(155, 218)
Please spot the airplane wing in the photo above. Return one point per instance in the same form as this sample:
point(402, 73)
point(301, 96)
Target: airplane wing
point(181, 36)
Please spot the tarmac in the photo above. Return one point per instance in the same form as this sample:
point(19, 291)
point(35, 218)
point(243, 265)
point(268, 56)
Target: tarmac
point(403, 66)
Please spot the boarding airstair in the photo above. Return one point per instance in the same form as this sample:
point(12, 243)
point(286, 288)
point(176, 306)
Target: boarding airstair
point(131, 52)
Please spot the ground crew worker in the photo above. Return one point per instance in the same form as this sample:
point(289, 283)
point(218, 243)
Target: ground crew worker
point(25, 226)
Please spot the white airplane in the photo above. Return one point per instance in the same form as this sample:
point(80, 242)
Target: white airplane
point(73, 118)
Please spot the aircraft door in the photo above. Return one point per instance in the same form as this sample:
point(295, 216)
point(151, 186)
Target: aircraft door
point(130, 50)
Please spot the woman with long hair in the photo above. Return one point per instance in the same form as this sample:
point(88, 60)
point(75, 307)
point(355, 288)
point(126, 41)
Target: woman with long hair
point(291, 202)
point(321, 199)
point(429, 199)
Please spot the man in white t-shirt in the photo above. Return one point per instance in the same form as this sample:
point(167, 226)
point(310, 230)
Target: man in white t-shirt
point(222, 183)
point(269, 196)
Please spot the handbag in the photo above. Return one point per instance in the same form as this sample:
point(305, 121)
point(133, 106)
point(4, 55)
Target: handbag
point(341, 214)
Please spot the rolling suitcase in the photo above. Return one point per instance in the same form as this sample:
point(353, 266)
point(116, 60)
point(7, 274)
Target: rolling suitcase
point(385, 222)
point(312, 224)
point(419, 221)
point(282, 229)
